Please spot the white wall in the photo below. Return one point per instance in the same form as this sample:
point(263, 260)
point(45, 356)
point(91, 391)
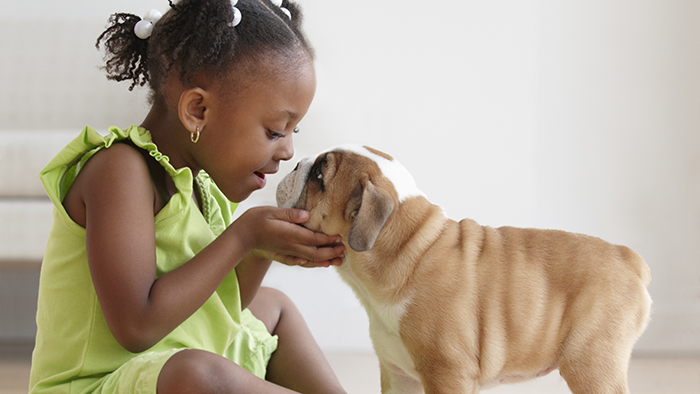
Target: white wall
point(619, 142)
point(575, 115)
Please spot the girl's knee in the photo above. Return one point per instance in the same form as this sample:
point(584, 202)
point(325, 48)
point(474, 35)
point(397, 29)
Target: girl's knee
point(274, 297)
point(195, 371)
point(269, 305)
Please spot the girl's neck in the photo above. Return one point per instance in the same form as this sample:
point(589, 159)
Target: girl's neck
point(171, 138)
point(167, 135)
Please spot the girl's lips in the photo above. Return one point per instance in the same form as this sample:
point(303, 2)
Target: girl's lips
point(260, 178)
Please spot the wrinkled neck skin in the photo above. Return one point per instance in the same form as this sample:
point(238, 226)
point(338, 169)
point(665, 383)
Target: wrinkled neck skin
point(382, 273)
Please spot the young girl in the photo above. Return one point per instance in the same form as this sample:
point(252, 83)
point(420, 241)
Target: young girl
point(147, 284)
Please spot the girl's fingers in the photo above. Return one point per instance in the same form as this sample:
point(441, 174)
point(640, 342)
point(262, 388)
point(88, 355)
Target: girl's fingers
point(325, 253)
point(299, 216)
point(297, 245)
point(288, 259)
point(296, 216)
point(313, 257)
point(320, 239)
point(311, 238)
point(321, 264)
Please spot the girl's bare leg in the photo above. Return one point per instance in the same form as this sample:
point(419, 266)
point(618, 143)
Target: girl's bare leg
point(298, 363)
point(198, 371)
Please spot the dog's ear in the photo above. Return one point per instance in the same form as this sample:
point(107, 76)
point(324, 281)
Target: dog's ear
point(368, 209)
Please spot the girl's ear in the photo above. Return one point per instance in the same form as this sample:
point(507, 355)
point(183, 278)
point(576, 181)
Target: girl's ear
point(192, 108)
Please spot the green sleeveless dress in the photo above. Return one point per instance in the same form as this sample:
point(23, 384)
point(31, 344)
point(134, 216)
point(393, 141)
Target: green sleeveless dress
point(75, 351)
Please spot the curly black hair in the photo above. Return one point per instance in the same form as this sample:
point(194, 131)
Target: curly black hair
point(196, 35)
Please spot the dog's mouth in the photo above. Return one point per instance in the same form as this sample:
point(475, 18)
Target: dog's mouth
point(290, 190)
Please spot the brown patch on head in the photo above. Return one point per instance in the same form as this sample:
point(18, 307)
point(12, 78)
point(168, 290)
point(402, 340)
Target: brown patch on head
point(345, 188)
point(379, 153)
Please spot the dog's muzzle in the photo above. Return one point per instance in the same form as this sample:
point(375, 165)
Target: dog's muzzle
point(292, 186)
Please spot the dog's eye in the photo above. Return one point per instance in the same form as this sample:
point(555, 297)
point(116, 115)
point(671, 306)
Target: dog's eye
point(317, 173)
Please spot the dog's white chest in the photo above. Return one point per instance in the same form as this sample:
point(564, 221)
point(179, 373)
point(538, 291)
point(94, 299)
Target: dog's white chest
point(390, 349)
point(384, 326)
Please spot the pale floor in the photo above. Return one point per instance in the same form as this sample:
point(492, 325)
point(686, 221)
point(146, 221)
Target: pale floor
point(359, 374)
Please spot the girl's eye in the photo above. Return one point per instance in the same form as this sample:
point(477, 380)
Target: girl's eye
point(275, 135)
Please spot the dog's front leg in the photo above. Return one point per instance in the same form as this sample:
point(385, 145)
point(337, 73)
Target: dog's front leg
point(451, 387)
point(395, 382)
point(449, 382)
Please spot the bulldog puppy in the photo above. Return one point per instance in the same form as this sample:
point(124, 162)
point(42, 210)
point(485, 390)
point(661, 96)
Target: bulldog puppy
point(454, 306)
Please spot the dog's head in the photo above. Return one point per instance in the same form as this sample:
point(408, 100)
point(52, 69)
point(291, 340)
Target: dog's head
point(350, 190)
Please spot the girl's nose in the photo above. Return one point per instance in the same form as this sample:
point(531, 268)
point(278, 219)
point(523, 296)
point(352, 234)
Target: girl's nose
point(286, 149)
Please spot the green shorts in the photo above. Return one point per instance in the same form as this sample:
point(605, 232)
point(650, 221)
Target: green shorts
point(251, 349)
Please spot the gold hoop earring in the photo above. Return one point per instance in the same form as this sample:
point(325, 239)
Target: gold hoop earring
point(194, 137)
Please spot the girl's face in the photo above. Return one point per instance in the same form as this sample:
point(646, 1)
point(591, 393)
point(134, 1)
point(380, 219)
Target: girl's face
point(249, 132)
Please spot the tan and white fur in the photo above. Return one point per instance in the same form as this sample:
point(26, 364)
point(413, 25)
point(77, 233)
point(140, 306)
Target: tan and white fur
point(455, 306)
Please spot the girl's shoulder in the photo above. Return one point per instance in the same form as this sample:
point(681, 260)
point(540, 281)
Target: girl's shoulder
point(113, 179)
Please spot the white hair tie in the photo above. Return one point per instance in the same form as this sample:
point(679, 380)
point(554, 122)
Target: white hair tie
point(144, 27)
point(236, 14)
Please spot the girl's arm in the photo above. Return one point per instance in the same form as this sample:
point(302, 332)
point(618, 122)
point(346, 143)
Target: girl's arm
point(250, 272)
point(118, 198)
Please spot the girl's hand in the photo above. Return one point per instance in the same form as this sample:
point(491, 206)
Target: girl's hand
point(276, 234)
point(296, 261)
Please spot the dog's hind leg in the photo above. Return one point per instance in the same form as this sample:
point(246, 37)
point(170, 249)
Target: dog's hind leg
point(597, 370)
point(584, 381)
point(596, 354)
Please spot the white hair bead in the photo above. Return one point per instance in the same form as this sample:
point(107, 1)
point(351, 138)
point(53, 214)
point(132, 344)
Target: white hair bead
point(143, 29)
point(286, 11)
point(233, 3)
point(236, 17)
point(278, 3)
point(153, 16)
